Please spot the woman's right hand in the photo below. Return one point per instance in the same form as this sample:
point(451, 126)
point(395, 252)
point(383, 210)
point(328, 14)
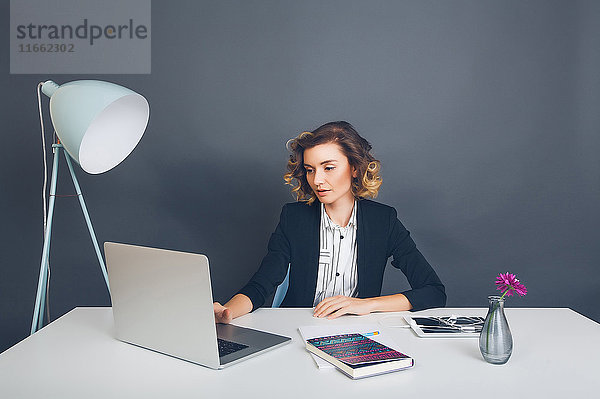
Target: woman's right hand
point(222, 314)
point(237, 306)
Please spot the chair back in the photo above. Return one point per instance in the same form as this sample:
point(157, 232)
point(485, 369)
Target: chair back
point(281, 290)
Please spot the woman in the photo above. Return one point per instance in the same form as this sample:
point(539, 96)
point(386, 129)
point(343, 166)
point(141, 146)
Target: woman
point(337, 247)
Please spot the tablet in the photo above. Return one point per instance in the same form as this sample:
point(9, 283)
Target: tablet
point(446, 326)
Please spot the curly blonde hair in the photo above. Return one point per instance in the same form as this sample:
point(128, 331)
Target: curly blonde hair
point(356, 149)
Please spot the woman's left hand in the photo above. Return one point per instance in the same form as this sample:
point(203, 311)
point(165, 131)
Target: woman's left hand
point(339, 305)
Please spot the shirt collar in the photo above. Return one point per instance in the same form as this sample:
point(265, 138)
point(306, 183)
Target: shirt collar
point(330, 224)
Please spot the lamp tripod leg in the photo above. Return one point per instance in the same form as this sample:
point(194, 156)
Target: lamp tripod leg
point(40, 299)
point(87, 220)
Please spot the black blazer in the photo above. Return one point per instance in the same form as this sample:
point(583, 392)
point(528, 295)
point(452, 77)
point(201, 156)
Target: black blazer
point(380, 235)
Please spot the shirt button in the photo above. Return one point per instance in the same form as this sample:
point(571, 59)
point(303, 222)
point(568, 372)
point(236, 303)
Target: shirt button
point(337, 274)
point(342, 237)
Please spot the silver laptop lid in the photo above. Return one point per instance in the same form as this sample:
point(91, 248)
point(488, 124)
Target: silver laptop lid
point(162, 300)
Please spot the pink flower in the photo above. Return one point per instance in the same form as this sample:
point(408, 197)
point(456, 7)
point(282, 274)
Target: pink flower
point(507, 283)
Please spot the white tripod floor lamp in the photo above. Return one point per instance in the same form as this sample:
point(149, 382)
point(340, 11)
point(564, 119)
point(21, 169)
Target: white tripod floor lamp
point(98, 124)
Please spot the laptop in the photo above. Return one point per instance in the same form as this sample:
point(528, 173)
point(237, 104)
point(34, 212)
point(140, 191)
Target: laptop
point(162, 301)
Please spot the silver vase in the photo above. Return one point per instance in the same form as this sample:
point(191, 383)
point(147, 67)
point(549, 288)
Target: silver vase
point(495, 341)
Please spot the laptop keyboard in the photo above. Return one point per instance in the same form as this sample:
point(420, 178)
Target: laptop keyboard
point(228, 347)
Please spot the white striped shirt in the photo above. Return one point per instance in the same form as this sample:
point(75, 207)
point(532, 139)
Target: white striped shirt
point(338, 273)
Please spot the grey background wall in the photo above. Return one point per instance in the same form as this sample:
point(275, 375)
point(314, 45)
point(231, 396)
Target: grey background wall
point(485, 115)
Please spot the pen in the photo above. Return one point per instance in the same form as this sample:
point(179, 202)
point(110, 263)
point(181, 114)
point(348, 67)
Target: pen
point(370, 334)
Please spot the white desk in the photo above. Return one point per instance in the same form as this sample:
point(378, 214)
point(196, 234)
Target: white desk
point(556, 353)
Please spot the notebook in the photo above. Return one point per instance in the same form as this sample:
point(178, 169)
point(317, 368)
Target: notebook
point(162, 301)
point(357, 355)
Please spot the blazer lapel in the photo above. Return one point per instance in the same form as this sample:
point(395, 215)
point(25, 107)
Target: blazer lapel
point(312, 251)
point(361, 248)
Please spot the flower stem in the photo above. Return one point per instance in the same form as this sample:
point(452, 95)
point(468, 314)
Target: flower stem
point(492, 314)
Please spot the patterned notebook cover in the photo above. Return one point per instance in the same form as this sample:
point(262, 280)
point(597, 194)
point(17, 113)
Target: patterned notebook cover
point(355, 349)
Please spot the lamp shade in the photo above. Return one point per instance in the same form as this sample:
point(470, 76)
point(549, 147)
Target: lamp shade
point(98, 123)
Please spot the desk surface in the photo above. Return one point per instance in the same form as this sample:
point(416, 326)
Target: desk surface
point(555, 354)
